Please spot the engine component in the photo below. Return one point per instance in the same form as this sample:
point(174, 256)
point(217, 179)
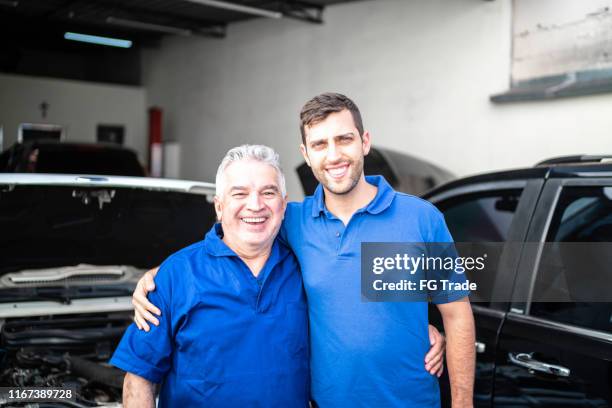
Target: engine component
point(66, 351)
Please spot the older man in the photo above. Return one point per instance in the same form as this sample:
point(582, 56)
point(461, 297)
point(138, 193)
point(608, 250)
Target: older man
point(234, 332)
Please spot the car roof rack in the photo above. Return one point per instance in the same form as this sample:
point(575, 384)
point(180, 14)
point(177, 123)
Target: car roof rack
point(579, 158)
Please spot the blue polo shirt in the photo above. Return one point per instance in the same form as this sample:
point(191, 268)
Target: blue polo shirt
point(364, 354)
point(226, 338)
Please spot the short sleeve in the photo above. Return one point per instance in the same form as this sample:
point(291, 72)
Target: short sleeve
point(148, 354)
point(450, 290)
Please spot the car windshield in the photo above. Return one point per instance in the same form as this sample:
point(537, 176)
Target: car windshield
point(54, 226)
point(83, 160)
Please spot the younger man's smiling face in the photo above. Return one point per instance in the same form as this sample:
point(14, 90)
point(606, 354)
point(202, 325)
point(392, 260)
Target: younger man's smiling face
point(335, 151)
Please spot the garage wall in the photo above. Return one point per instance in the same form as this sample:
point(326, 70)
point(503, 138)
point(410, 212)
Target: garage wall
point(79, 106)
point(420, 70)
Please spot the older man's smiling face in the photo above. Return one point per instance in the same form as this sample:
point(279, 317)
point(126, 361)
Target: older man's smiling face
point(252, 207)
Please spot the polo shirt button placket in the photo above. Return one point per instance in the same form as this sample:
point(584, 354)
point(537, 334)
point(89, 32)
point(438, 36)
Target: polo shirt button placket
point(338, 235)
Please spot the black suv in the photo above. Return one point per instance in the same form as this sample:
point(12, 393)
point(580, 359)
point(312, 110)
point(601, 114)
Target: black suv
point(532, 352)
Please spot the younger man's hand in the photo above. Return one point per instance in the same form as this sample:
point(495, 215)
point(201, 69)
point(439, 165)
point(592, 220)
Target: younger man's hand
point(143, 309)
point(434, 360)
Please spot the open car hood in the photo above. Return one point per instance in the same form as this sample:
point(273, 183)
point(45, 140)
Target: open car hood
point(55, 221)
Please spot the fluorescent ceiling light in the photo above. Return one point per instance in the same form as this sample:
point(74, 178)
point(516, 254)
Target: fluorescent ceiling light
point(94, 39)
point(147, 26)
point(239, 8)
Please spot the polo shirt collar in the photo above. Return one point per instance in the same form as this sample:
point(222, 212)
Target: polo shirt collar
point(216, 247)
point(214, 242)
point(382, 200)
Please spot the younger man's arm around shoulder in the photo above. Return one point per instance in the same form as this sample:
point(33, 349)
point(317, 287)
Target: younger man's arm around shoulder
point(138, 392)
point(460, 350)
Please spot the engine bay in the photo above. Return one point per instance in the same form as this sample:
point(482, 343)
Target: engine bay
point(66, 351)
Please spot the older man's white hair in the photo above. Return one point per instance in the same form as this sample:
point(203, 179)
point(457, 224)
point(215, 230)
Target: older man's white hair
point(260, 153)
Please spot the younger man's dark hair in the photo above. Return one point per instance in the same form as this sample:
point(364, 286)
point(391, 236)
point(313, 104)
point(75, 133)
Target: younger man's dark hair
point(321, 106)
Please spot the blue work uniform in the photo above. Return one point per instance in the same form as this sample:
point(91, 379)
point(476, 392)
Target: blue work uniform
point(226, 338)
point(364, 354)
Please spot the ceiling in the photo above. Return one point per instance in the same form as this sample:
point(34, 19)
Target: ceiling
point(32, 31)
point(149, 19)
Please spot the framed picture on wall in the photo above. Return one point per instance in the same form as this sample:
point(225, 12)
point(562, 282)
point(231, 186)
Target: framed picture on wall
point(28, 132)
point(110, 134)
point(560, 48)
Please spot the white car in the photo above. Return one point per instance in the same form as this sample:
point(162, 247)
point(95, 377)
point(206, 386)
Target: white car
point(71, 251)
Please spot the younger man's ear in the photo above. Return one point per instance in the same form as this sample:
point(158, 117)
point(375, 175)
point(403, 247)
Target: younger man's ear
point(366, 142)
point(305, 154)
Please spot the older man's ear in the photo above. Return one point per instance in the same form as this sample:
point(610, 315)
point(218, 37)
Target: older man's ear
point(218, 207)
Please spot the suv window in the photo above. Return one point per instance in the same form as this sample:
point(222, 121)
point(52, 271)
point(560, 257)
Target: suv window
point(481, 218)
point(576, 273)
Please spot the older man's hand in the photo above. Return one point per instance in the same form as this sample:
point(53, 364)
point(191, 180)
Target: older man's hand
point(143, 309)
point(434, 359)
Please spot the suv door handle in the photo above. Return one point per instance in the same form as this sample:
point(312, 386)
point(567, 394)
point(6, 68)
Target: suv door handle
point(526, 360)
